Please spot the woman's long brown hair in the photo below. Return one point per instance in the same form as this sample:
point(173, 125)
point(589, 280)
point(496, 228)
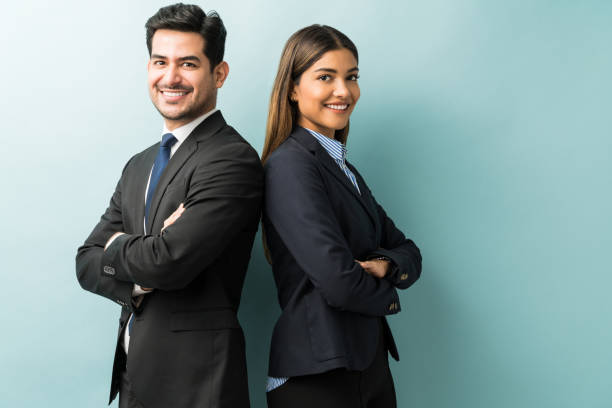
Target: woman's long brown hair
point(303, 49)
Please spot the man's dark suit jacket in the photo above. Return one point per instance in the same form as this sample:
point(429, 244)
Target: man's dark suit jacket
point(186, 345)
point(316, 226)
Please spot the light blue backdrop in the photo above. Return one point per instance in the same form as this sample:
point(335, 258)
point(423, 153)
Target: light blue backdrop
point(484, 128)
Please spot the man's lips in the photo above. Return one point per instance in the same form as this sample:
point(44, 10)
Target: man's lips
point(174, 95)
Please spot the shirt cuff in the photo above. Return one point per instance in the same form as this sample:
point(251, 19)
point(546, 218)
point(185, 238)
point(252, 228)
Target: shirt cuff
point(138, 290)
point(114, 237)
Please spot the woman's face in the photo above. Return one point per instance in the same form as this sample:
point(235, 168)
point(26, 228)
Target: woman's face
point(327, 92)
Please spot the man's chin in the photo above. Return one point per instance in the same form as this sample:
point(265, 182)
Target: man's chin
point(175, 115)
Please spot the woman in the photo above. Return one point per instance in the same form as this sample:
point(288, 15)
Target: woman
point(336, 256)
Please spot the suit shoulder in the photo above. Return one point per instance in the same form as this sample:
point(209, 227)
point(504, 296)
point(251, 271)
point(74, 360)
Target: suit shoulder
point(288, 153)
point(141, 156)
point(228, 141)
point(291, 161)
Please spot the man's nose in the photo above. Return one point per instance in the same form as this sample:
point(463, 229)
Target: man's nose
point(172, 75)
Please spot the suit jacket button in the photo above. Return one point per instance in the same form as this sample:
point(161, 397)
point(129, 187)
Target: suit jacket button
point(404, 276)
point(391, 306)
point(109, 270)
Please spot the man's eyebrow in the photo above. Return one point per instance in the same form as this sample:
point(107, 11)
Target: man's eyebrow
point(334, 71)
point(186, 58)
point(189, 58)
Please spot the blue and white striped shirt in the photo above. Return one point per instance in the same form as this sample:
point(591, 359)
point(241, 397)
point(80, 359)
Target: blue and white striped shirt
point(337, 151)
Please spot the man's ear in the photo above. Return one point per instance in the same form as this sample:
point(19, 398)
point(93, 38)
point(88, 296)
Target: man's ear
point(220, 73)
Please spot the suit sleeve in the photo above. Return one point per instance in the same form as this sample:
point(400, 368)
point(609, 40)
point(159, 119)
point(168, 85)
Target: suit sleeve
point(89, 256)
point(404, 254)
point(299, 209)
point(224, 197)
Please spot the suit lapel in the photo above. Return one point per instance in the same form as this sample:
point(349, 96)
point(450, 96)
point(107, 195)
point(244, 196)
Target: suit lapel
point(174, 165)
point(134, 193)
point(368, 199)
point(143, 175)
point(204, 130)
point(308, 141)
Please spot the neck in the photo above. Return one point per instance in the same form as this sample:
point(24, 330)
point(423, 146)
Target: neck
point(172, 124)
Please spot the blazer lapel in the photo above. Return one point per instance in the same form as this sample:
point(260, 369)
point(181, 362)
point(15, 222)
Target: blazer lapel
point(209, 127)
point(308, 141)
point(137, 194)
point(174, 165)
point(368, 199)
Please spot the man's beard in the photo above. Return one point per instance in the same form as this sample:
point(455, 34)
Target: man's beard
point(190, 112)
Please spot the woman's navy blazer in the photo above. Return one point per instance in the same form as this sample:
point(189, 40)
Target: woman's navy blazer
point(316, 225)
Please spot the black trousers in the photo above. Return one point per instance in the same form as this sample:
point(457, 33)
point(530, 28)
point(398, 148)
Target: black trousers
point(126, 397)
point(340, 388)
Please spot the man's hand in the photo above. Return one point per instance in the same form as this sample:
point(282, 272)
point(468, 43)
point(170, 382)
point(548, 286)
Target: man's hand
point(375, 267)
point(174, 216)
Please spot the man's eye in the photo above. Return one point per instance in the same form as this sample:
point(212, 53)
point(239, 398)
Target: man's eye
point(189, 64)
point(158, 62)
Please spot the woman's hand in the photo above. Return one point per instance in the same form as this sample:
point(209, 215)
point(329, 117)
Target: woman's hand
point(375, 267)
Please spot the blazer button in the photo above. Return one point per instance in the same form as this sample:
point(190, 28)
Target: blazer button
point(391, 306)
point(109, 270)
point(404, 276)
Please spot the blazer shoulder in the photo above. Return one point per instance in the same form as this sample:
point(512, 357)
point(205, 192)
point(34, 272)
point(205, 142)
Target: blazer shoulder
point(228, 141)
point(141, 158)
point(290, 152)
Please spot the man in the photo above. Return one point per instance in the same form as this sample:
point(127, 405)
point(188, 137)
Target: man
point(173, 246)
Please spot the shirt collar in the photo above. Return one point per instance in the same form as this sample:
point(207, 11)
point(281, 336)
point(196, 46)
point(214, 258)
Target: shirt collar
point(333, 147)
point(181, 133)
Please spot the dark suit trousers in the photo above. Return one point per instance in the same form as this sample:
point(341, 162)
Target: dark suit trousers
point(126, 398)
point(340, 388)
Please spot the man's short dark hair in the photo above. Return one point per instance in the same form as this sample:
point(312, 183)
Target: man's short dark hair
point(191, 18)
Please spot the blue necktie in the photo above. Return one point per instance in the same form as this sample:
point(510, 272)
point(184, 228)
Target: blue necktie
point(158, 168)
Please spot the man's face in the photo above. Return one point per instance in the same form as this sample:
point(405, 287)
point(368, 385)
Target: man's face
point(181, 84)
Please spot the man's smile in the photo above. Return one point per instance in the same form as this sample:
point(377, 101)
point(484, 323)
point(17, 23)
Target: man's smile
point(174, 95)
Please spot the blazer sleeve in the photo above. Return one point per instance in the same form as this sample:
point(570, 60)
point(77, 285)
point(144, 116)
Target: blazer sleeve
point(404, 254)
point(224, 197)
point(298, 207)
point(89, 256)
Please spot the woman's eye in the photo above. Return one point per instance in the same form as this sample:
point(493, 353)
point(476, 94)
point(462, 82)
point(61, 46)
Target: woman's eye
point(353, 77)
point(325, 77)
